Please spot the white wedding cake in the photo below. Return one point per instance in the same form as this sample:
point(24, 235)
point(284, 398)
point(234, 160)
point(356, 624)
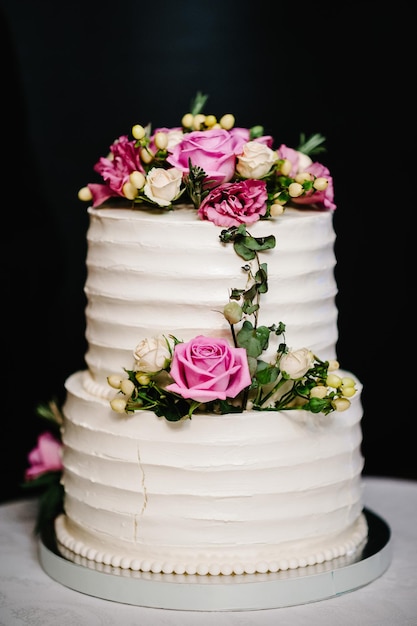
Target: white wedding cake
point(212, 431)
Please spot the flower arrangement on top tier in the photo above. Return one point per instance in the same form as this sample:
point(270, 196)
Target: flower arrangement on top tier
point(230, 174)
point(233, 177)
point(175, 378)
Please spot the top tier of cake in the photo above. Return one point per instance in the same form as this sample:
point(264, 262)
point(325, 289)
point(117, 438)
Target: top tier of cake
point(152, 272)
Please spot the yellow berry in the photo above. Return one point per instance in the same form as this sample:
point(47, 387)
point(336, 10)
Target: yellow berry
point(161, 140)
point(227, 121)
point(333, 365)
point(114, 381)
point(211, 120)
point(341, 404)
point(276, 209)
point(347, 381)
point(333, 381)
point(118, 405)
point(138, 131)
point(137, 179)
point(143, 379)
point(320, 183)
point(302, 177)
point(347, 392)
point(199, 121)
point(127, 386)
point(85, 194)
point(285, 167)
point(129, 191)
point(187, 120)
point(295, 190)
point(146, 155)
point(320, 391)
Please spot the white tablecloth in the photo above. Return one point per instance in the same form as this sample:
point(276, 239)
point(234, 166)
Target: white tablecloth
point(29, 597)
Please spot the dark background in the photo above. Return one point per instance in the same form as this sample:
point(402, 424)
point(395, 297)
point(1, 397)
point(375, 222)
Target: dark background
point(76, 75)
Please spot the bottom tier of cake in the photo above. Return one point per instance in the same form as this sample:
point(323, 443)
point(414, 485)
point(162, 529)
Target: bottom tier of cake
point(217, 494)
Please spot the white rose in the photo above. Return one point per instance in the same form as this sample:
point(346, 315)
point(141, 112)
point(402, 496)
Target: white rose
point(304, 161)
point(163, 186)
point(174, 136)
point(256, 160)
point(152, 355)
point(296, 364)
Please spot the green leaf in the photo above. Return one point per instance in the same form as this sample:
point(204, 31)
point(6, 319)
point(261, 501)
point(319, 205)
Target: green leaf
point(266, 373)
point(51, 498)
point(42, 481)
point(198, 103)
point(250, 294)
point(261, 278)
point(254, 340)
point(249, 309)
point(313, 145)
point(256, 131)
point(243, 251)
point(225, 407)
point(260, 243)
point(318, 405)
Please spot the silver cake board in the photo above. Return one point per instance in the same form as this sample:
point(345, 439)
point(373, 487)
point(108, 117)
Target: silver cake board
point(248, 592)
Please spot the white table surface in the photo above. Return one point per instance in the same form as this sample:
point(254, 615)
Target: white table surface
point(29, 597)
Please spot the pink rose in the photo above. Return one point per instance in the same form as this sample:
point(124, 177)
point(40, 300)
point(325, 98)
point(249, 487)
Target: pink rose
point(46, 457)
point(116, 170)
point(213, 150)
point(322, 199)
point(233, 204)
point(207, 368)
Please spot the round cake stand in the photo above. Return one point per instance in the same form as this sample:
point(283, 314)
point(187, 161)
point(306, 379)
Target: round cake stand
point(249, 592)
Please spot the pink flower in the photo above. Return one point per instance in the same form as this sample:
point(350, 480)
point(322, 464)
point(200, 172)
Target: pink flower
point(213, 150)
point(207, 368)
point(116, 170)
point(233, 204)
point(174, 136)
point(321, 199)
point(244, 133)
point(299, 161)
point(46, 457)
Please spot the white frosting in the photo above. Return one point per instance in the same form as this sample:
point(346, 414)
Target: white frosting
point(239, 493)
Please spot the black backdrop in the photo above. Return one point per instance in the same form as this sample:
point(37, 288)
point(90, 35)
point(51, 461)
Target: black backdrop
point(78, 74)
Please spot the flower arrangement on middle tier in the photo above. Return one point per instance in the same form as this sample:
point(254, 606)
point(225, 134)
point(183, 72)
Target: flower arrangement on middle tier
point(174, 379)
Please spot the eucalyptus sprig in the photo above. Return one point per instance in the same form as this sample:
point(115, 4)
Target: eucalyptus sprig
point(271, 388)
point(251, 337)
